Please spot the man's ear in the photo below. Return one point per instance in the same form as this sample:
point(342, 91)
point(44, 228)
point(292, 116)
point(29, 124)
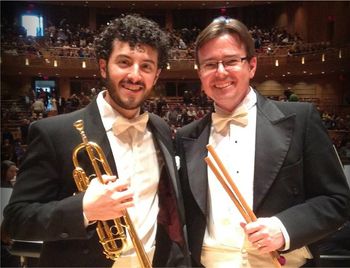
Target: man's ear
point(252, 66)
point(157, 76)
point(103, 67)
point(199, 73)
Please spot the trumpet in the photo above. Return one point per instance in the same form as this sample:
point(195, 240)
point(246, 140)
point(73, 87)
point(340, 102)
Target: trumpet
point(111, 233)
point(235, 195)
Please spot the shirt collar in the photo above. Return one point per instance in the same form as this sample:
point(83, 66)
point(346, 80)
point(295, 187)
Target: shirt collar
point(108, 114)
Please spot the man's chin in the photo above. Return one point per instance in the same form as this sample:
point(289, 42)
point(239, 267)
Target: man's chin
point(130, 105)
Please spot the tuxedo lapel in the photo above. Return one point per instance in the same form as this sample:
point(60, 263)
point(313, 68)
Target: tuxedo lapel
point(95, 132)
point(273, 137)
point(161, 141)
point(195, 152)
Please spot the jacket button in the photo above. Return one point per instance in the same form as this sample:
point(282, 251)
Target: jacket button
point(295, 191)
point(64, 235)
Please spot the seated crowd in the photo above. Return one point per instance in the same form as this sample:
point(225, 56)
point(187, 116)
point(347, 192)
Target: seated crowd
point(176, 111)
point(68, 40)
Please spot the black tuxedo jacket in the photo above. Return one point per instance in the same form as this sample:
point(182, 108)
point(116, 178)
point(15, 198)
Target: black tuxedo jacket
point(44, 207)
point(297, 176)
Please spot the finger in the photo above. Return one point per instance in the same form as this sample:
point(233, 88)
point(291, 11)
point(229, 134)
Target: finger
point(252, 227)
point(263, 249)
point(243, 224)
point(258, 244)
point(121, 208)
point(122, 196)
point(127, 204)
point(107, 179)
point(121, 185)
point(256, 237)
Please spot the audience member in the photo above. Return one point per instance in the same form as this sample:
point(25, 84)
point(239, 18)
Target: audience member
point(8, 173)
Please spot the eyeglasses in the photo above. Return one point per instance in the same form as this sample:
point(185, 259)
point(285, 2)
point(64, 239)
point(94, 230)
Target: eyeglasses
point(230, 64)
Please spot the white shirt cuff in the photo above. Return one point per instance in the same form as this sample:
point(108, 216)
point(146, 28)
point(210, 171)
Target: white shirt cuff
point(86, 221)
point(284, 232)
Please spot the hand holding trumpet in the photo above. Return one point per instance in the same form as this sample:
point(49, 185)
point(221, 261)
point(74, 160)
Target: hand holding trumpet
point(108, 200)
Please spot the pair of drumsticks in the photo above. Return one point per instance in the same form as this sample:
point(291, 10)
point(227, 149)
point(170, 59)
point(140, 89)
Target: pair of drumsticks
point(237, 198)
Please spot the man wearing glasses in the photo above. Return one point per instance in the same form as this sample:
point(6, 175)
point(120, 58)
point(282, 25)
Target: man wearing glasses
point(279, 155)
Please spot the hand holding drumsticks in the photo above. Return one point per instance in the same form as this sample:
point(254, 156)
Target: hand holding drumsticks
point(232, 190)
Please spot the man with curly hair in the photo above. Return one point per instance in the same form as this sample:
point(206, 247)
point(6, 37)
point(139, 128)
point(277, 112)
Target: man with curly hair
point(45, 205)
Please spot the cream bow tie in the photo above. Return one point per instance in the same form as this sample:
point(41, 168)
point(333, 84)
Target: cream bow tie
point(122, 124)
point(221, 120)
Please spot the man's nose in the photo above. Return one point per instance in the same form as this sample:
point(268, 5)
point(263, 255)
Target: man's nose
point(220, 70)
point(134, 74)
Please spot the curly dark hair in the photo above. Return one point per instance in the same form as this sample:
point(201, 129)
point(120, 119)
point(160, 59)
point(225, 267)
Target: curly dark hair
point(134, 30)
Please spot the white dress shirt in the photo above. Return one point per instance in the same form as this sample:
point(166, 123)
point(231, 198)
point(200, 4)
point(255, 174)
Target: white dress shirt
point(237, 152)
point(139, 163)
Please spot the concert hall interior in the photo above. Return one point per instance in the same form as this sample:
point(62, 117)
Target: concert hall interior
point(48, 67)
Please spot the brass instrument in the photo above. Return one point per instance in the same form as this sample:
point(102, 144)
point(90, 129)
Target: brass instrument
point(112, 236)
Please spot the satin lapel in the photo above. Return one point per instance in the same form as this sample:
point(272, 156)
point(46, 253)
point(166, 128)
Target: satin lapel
point(168, 157)
point(273, 137)
point(196, 151)
point(163, 141)
point(95, 132)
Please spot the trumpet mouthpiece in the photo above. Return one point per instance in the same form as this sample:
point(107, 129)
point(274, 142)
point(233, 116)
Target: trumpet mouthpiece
point(79, 125)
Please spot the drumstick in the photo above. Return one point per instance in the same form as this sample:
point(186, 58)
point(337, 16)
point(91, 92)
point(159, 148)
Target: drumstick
point(235, 196)
point(227, 189)
point(231, 183)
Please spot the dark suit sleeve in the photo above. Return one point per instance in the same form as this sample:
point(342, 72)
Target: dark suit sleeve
point(42, 206)
point(318, 178)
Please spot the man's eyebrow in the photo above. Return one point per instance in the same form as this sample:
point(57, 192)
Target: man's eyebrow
point(224, 57)
point(128, 57)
